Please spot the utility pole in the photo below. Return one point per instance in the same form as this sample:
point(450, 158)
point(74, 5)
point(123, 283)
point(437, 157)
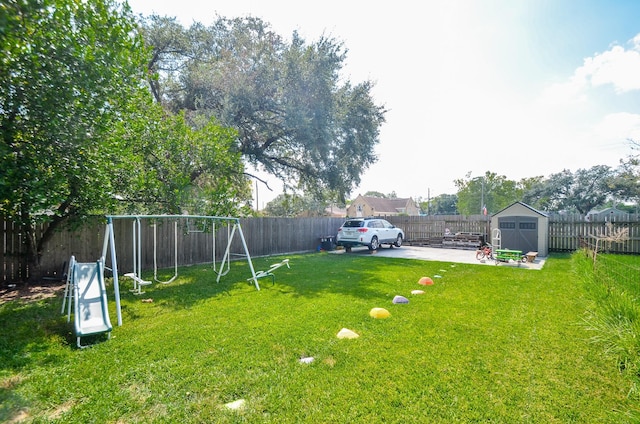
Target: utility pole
point(482, 197)
point(257, 199)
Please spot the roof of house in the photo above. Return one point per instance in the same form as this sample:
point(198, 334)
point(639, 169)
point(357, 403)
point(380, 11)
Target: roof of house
point(381, 205)
point(606, 211)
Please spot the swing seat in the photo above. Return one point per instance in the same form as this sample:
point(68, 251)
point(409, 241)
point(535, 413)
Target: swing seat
point(269, 272)
point(137, 282)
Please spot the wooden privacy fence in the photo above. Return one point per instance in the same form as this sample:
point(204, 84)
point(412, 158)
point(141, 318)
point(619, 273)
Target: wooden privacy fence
point(569, 232)
point(271, 236)
point(430, 230)
point(195, 244)
point(566, 232)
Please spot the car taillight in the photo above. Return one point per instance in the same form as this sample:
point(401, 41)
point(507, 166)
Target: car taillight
point(362, 230)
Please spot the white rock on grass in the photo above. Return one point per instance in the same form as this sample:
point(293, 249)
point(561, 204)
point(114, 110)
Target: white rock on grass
point(236, 405)
point(345, 333)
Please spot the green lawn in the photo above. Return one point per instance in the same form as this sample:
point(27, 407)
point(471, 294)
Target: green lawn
point(483, 344)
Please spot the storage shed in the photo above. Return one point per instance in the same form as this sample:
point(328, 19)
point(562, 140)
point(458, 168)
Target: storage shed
point(522, 228)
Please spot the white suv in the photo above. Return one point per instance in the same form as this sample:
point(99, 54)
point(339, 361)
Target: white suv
point(370, 232)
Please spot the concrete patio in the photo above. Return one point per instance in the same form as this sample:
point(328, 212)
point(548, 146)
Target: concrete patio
point(439, 254)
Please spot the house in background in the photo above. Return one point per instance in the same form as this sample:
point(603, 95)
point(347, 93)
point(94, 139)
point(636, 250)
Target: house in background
point(606, 215)
point(363, 206)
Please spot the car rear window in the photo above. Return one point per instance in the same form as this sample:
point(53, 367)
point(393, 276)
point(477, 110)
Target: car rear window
point(353, 224)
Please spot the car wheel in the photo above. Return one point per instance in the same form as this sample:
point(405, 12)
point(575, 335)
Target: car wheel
point(398, 242)
point(374, 245)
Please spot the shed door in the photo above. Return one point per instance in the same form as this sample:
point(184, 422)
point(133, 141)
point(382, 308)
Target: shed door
point(519, 233)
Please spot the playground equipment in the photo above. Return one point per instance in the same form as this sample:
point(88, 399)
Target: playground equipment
point(496, 253)
point(485, 252)
point(500, 255)
point(85, 290)
point(496, 238)
point(507, 255)
point(109, 246)
point(269, 272)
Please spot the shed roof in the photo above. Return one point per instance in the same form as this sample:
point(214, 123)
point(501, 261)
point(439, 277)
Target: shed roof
point(543, 214)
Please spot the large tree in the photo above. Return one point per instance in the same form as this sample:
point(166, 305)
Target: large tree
point(176, 169)
point(444, 204)
point(296, 115)
point(68, 69)
point(491, 190)
point(294, 205)
point(627, 177)
point(580, 191)
point(80, 133)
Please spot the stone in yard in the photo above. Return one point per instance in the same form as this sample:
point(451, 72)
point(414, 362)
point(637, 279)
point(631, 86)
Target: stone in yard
point(379, 313)
point(400, 299)
point(235, 405)
point(425, 281)
point(345, 333)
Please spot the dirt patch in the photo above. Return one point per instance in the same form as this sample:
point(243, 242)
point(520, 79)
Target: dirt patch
point(30, 292)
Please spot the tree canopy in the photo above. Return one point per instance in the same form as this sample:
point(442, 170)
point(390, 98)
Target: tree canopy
point(581, 191)
point(444, 204)
point(80, 133)
point(491, 191)
point(296, 116)
point(68, 70)
point(294, 205)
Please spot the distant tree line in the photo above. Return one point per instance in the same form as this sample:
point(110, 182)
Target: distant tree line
point(581, 191)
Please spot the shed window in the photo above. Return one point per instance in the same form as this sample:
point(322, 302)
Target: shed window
point(528, 226)
point(508, 225)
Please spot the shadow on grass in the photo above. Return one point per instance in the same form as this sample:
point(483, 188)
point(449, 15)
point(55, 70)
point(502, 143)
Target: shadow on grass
point(29, 327)
point(26, 333)
point(309, 276)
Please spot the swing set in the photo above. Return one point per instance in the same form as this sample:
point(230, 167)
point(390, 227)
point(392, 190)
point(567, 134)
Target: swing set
point(208, 222)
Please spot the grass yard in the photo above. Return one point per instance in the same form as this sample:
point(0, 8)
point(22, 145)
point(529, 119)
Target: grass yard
point(483, 344)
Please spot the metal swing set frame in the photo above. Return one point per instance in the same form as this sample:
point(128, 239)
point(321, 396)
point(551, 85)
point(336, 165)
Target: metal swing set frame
point(109, 246)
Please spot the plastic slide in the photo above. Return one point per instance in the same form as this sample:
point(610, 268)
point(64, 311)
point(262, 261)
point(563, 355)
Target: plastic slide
point(91, 313)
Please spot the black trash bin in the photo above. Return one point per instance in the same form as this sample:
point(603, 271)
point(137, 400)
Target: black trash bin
point(326, 243)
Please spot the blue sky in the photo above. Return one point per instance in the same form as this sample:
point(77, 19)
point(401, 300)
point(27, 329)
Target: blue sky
point(517, 87)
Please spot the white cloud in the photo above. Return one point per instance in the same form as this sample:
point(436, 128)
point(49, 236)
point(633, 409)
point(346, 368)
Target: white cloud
point(568, 93)
point(617, 66)
point(619, 126)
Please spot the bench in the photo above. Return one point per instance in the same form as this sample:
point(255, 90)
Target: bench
point(531, 256)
